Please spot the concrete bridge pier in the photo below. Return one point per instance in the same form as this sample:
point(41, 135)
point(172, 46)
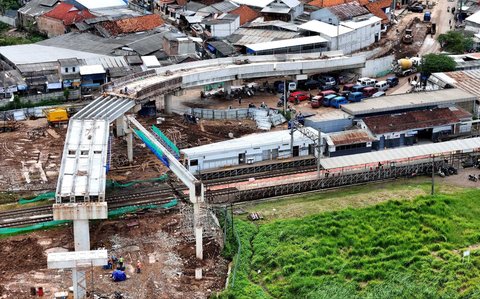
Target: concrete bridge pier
point(167, 103)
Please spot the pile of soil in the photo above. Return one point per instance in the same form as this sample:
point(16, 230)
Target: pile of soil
point(19, 256)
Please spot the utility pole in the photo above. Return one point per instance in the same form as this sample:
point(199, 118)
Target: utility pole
point(284, 95)
point(319, 152)
point(433, 174)
point(292, 130)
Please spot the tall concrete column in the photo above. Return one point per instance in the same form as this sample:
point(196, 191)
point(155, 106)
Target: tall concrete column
point(130, 146)
point(198, 231)
point(167, 103)
point(81, 235)
point(121, 125)
point(227, 87)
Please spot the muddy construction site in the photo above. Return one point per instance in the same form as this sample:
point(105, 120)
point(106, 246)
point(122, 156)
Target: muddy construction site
point(161, 241)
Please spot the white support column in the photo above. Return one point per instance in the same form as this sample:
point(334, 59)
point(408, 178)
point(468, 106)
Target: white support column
point(198, 229)
point(130, 146)
point(227, 87)
point(80, 287)
point(81, 235)
point(121, 125)
point(167, 103)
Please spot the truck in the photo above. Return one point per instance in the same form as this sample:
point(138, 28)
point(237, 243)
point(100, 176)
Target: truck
point(408, 37)
point(56, 116)
point(406, 66)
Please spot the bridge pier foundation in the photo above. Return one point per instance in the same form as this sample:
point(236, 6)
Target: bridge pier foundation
point(227, 87)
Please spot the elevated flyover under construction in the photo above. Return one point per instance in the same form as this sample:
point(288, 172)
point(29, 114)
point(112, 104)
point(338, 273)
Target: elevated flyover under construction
point(168, 80)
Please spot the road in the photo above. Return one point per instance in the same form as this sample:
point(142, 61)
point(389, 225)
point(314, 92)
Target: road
point(441, 17)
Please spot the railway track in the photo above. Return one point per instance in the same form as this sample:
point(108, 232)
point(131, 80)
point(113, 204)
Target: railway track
point(35, 215)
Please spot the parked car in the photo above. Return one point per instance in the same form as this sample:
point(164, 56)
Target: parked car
point(310, 84)
point(369, 91)
point(363, 81)
point(345, 93)
point(355, 96)
point(299, 96)
point(327, 80)
point(358, 88)
point(326, 92)
point(316, 101)
point(382, 85)
point(392, 81)
point(327, 99)
point(348, 87)
point(415, 8)
point(379, 94)
point(337, 101)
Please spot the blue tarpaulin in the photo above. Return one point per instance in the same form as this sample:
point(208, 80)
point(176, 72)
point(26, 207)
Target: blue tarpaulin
point(118, 275)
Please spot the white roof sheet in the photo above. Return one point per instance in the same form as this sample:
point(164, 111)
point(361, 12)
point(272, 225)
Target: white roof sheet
point(324, 28)
point(253, 140)
point(475, 18)
point(282, 10)
point(96, 4)
point(254, 3)
point(92, 69)
point(409, 100)
point(291, 3)
point(403, 153)
point(287, 43)
point(150, 61)
point(32, 53)
point(360, 24)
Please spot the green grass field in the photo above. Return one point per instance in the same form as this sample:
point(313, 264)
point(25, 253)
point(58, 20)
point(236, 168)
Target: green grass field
point(408, 247)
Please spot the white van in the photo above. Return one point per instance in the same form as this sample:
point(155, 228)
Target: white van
point(367, 82)
point(382, 85)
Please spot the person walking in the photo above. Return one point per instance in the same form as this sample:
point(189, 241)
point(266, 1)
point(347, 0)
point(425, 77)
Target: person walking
point(239, 101)
point(139, 267)
point(409, 80)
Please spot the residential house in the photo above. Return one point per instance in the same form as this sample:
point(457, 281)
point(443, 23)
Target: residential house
point(381, 9)
point(246, 14)
point(92, 76)
point(342, 12)
point(348, 36)
point(28, 14)
point(283, 10)
point(130, 25)
point(59, 20)
point(223, 25)
point(178, 44)
point(472, 23)
point(70, 72)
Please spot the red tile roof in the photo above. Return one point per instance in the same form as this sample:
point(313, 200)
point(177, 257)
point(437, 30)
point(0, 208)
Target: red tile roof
point(376, 9)
point(246, 14)
point(135, 24)
point(69, 14)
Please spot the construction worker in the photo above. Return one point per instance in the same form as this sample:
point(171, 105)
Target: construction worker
point(120, 262)
point(139, 266)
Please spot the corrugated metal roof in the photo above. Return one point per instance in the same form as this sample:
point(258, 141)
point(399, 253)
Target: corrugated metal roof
point(301, 41)
point(34, 53)
point(324, 28)
point(34, 8)
point(403, 153)
point(347, 11)
point(95, 4)
point(92, 69)
point(273, 25)
point(381, 124)
point(254, 3)
point(254, 140)
point(244, 36)
point(281, 10)
point(408, 101)
point(350, 137)
point(468, 81)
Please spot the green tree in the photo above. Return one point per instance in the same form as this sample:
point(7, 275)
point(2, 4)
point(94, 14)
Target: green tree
point(433, 63)
point(8, 4)
point(455, 42)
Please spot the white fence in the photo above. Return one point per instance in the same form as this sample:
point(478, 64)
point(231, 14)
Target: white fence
point(378, 67)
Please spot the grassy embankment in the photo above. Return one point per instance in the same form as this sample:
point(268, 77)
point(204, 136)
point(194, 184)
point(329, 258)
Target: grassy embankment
point(351, 244)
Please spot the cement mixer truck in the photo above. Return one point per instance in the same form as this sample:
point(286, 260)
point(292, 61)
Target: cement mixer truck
point(406, 66)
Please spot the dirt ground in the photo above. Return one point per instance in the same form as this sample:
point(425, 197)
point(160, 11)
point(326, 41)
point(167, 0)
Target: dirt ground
point(161, 242)
point(31, 155)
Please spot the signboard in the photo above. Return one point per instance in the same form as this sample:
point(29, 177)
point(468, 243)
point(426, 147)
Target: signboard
point(302, 77)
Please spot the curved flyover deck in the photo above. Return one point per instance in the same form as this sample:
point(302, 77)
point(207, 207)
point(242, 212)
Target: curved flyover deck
point(169, 79)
